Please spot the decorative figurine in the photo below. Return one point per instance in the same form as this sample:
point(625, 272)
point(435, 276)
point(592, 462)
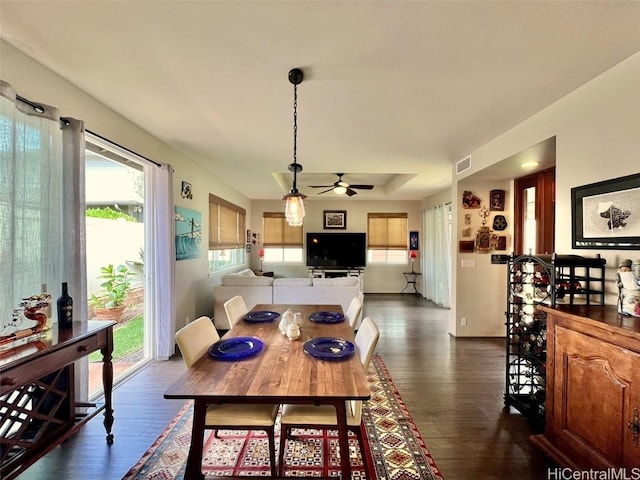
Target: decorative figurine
point(27, 320)
point(628, 280)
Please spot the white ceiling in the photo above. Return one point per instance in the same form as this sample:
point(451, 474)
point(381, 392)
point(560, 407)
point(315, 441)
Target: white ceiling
point(394, 91)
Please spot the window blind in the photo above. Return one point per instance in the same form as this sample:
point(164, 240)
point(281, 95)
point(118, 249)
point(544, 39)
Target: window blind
point(226, 224)
point(278, 233)
point(387, 231)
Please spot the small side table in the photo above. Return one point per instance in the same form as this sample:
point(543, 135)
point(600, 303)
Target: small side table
point(412, 279)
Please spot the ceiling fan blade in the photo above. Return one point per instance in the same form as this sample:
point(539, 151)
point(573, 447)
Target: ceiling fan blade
point(319, 186)
point(351, 193)
point(331, 189)
point(362, 187)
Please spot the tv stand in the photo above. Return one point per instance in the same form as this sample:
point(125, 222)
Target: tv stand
point(338, 272)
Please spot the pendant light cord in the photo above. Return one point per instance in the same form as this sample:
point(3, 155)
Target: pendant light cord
point(295, 137)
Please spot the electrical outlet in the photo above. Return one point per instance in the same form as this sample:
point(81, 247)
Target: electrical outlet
point(186, 320)
point(463, 321)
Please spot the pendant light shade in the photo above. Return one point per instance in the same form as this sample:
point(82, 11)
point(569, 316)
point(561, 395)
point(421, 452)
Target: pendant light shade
point(294, 204)
point(294, 209)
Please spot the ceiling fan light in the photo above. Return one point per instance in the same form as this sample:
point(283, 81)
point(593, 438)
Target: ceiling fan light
point(340, 190)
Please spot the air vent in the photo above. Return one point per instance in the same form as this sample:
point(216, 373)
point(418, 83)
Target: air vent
point(462, 165)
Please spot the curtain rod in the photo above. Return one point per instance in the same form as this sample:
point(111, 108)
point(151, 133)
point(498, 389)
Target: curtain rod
point(124, 148)
point(36, 106)
point(40, 109)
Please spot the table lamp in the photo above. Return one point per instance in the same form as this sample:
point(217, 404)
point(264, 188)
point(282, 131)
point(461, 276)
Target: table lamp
point(261, 255)
point(413, 254)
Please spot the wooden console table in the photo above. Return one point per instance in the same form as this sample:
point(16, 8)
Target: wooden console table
point(38, 406)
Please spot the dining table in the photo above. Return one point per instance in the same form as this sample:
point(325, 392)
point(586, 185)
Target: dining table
point(283, 371)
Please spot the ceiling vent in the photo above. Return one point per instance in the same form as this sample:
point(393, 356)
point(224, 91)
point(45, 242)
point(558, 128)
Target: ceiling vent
point(462, 165)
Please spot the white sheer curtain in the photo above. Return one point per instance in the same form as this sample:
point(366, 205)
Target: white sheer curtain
point(162, 246)
point(41, 196)
point(437, 256)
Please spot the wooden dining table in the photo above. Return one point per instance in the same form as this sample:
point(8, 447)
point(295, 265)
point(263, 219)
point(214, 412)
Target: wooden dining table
point(280, 373)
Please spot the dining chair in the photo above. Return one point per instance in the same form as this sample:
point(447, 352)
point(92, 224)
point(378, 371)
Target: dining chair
point(324, 416)
point(235, 308)
point(353, 312)
point(194, 341)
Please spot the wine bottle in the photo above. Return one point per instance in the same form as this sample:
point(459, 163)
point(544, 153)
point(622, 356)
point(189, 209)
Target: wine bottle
point(65, 309)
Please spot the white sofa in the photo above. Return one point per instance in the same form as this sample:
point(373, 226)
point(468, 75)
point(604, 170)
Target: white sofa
point(304, 291)
point(317, 291)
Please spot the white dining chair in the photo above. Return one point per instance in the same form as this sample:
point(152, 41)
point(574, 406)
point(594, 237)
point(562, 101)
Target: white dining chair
point(194, 341)
point(235, 308)
point(353, 312)
point(324, 416)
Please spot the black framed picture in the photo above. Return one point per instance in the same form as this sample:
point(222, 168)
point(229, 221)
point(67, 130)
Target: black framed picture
point(335, 219)
point(185, 191)
point(496, 200)
point(607, 214)
point(413, 241)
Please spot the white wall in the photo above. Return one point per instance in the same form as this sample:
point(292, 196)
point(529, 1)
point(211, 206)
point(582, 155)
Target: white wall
point(35, 82)
point(377, 279)
point(597, 129)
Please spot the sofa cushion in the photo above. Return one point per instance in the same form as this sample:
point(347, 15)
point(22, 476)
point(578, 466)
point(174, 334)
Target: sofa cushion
point(337, 282)
point(247, 272)
point(239, 280)
point(292, 282)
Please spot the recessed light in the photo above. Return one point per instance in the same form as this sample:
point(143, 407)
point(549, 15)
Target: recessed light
point(530, 164)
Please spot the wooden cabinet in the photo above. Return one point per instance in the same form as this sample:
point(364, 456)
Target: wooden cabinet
point(593, 388)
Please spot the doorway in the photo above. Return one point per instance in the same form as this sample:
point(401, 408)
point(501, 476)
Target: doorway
point(116, 239)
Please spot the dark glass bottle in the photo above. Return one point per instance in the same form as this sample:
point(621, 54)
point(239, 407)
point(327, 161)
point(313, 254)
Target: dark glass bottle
point(65, 309)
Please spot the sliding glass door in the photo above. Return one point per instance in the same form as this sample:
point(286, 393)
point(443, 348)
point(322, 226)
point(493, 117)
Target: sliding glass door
point(116, 242)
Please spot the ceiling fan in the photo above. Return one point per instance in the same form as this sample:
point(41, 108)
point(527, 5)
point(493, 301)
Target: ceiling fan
point(340, 187)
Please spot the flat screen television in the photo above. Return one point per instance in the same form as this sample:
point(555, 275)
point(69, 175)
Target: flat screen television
point(336, 250)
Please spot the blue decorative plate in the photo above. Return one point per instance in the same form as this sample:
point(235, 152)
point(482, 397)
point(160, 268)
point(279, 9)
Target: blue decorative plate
point(329, 348)
point(261, 316)
point(235, 348)
point(326, 317)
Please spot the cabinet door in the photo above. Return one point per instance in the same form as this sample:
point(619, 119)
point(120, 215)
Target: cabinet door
point(600, 388)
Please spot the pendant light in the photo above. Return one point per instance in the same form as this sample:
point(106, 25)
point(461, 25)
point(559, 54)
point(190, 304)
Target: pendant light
point(294, 205)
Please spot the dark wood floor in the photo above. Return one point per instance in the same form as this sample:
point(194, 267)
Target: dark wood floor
point(452, 387)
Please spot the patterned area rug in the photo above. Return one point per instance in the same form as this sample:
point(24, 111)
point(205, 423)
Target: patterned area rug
point(395, 449)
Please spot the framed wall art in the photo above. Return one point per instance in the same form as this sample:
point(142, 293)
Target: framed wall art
point(186, 191)
point(466, 246)
point(188, 226)
point(496, 200)
point(335, 219)
point(413, 241)
point(607, 214)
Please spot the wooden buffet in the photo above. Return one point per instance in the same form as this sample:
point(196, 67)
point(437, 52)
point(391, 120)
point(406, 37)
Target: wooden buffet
point(38, 405)
point(593, 388)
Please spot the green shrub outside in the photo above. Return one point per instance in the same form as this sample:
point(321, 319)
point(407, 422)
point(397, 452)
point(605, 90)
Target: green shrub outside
point(108, 213)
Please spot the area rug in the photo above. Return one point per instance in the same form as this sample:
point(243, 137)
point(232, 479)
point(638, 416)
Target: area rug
point(395, 449)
